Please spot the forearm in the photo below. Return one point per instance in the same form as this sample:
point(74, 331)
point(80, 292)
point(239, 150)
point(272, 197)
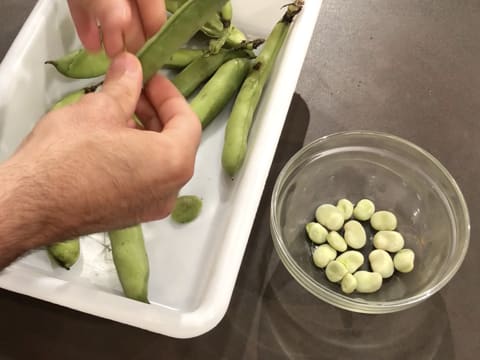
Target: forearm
point(23, 224)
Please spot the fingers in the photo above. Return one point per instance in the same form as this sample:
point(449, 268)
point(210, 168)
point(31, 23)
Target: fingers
point(125, 24)
point(147, 114)
point(123, 83)
point(112, 16)
point(86, 26)
point(177, 118)
point(153, 15)
point(114, 21)
point(134, 34)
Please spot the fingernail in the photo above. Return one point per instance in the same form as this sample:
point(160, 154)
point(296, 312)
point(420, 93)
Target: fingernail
point(123, 65)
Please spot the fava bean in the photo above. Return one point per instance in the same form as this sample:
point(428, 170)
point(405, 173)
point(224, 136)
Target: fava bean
point(335, 271)
point(336, 241)
point(364, 210)
point(391, 241)
point(187, 208)
point(329, 216)
point(352, 260)
point(383, 220)
point(381, 262)
point(316, 232)
point(404, 260)
point(368, 282)
point(349, 283)
point(355, 235)
point(346, 207)
point(323, 255)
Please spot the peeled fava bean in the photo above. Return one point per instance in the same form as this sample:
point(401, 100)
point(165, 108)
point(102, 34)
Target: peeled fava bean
point(187, 208)
point(364, 210)
point(352, 260)
point(404, 260)
point(323, 255)
point(383, 220)
point(346, 207)
point(335, 271)
point(381, 262)
point(391, 241)
point(355, 235)
point(349, 284)
point(316, 232)
point(329, 216)
point(368, 282)
point(336, 241)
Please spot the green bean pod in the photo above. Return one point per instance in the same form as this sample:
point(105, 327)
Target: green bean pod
point(69, 99)
point(65, 253)
point(81, 64)
point(183, 57)
point(216, 93)
point(241, 118)
point(202, 68)
point(131, 261)
point(235, 38)
point(178, 29)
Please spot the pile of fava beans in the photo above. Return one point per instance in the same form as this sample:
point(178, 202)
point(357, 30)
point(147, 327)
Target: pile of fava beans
point(338, 237)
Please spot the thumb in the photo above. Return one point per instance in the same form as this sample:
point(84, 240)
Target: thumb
point(123, 82)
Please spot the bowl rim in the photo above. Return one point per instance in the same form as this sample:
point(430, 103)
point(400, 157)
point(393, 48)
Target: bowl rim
point(335, 298)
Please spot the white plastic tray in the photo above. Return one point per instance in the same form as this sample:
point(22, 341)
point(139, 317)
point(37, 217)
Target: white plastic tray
point(194, 266)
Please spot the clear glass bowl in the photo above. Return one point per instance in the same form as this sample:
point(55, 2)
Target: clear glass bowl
point(398, 176)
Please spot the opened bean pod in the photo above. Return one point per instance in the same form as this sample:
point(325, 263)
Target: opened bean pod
point(180, 27)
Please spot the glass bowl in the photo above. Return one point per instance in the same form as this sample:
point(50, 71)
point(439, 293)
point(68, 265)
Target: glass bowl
point(397, 176)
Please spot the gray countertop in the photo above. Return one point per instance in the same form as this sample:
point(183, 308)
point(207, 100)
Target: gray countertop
point(407, 67)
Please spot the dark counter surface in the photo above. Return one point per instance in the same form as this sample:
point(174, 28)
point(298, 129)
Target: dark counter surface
point(410, 68)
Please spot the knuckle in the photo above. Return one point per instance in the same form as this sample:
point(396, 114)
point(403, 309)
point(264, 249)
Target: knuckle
point(182, 165)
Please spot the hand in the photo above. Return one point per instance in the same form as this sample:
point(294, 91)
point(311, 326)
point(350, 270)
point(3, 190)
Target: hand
point(124, 24)
point(83, 169)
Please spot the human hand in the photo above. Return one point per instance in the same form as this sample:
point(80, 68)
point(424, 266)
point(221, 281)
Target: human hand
point(83, 169)
point(124, 24)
